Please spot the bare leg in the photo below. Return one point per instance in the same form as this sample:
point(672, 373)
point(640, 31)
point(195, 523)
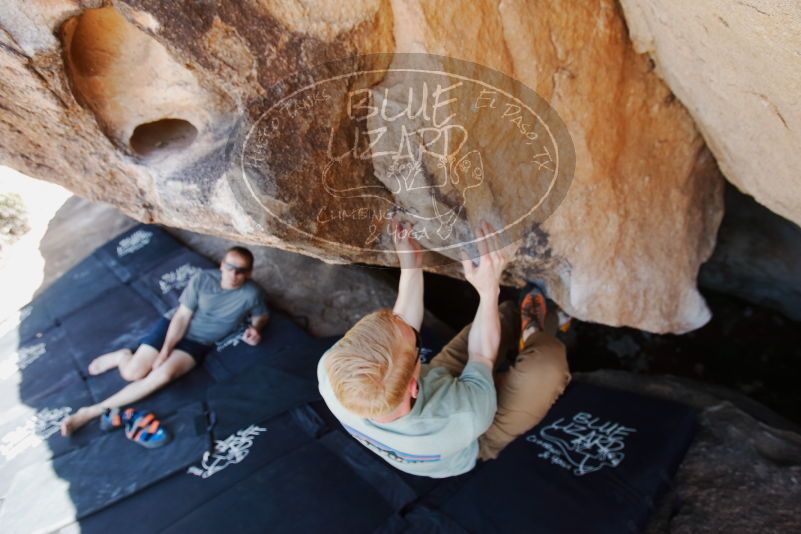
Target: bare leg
point(178, 364)
point(139, 364)
point(109, 361)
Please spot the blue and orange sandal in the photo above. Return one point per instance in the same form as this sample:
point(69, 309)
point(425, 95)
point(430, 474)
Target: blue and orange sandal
point(144, 429)
point(114, 418)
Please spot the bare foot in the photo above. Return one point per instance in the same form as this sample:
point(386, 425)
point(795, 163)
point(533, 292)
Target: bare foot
point(76, 421)
point(103, 363)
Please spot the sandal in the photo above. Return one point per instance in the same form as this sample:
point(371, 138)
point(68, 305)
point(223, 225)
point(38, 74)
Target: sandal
point(115, 418)
point(144, 429)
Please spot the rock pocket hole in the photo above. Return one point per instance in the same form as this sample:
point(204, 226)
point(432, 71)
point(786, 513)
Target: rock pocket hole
point(162, 136)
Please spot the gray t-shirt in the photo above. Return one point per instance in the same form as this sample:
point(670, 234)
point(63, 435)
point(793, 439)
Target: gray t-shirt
point(439, 437)
point(217, 311)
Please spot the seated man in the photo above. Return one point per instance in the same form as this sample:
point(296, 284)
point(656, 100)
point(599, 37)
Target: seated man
point(213, 304)
point(437, 420)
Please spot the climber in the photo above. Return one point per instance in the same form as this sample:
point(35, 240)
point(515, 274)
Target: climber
point(438, 419)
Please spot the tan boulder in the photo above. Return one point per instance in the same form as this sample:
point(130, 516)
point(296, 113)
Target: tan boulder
point(641, 215)
point(167, 112)
point(737, 68)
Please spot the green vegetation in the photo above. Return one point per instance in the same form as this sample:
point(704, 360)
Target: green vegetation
point(13, 218)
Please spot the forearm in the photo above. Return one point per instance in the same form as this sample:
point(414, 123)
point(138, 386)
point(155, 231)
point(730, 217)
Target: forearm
point(175, 333)
point(409, 304)
point(485, 333)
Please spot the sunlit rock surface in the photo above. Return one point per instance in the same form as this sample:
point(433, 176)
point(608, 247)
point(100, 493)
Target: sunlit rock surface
point(148, 107)
point(736, 66)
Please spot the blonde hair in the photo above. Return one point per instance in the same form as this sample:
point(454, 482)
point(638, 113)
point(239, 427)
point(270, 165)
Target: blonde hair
point(371, 366)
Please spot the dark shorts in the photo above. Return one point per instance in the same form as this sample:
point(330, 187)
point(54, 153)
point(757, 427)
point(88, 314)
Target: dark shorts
point(155, 338)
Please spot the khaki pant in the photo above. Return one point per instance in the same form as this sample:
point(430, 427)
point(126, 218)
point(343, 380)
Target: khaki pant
point(527, 390)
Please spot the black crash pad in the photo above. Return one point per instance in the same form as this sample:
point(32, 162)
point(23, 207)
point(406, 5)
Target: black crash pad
point(307, 490)
point(236, 457)
point(30, 434)
point(138, 250)
point(93, 477)
point(597, 463)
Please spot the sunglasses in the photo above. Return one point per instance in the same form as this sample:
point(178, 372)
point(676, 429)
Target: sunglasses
point(418, 343)
point(236, 268)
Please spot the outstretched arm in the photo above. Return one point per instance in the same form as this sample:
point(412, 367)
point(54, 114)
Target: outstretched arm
point(175, 333)
point(409, 304)
point(485, 333)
